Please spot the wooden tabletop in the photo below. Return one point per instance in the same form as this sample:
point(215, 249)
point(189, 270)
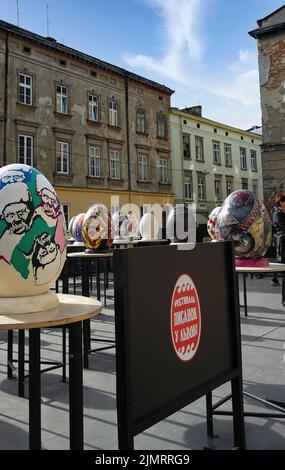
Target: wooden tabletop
point(71, 309)
point(272, 268)
point(83, 254)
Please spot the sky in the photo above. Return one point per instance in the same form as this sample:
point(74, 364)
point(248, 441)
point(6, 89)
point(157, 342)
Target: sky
point(199, 48)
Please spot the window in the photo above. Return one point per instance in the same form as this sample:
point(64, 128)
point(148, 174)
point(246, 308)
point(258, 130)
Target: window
point(26, 89)
point(199, 149)
point(163, 171)
point(218, 190)
point(229, 187)
point(161, 126)
point(243, 164)
point(61, 99)
point(113, 113)
point(142, 168)
point(141, 121)
point(62, 157)
point(93, 108)
point(201, 187)
point(186, 146)
point(65, 210)
point(26, 150)
point(95, 161)
point(115, 165)
point(228, 154)
point(244, 183)
point(188, 185)
point(253, 160)
point(216, 153)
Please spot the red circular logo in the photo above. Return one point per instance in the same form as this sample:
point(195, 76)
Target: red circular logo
point(185, 318)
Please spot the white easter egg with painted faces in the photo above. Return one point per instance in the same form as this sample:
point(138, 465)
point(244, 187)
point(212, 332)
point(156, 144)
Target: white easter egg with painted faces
point(32, 232)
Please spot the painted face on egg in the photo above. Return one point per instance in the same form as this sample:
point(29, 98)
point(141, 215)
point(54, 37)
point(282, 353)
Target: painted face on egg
point(32, 232)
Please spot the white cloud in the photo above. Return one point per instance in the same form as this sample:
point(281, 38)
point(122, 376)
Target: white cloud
point(181, 63)
point(181, 27)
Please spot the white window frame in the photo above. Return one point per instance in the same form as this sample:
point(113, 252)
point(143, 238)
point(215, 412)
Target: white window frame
point(243, 158)
point(62, 99)
point(26, 89)
point(115, 164)
point(163, 169)
point(62, 157)
point(65, 210)
point(244, 182)
point(141, 120)
point(188, 190)
point(216, 153)
point(253, 160)
point(218, 189)
point(228, 155)
point(186, 145)
point(161, 126)
point(113, 113)
point(26, 149)
point(199, 149)
point(229, 187)
point(93, 107)
point(95, 161)
point(142, 167)
point(201, 188)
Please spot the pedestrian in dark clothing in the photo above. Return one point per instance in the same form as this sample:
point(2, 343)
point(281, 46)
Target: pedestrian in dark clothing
point(279, 228)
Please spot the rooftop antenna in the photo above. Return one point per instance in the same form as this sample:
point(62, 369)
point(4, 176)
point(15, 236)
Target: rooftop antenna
point(47, 22)
point(18, 15)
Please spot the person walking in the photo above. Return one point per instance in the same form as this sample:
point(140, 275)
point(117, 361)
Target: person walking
point(278, 220)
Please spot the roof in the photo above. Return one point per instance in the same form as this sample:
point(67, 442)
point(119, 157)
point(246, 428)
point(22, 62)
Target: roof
point(51, 43)
point(215, 123)
point(270, 14)
point(256, 33)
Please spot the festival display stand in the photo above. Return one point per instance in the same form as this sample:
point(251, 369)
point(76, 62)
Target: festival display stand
point(177, 334)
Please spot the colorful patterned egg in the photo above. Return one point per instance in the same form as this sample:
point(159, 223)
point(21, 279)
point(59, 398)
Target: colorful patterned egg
point(212, 223)
point(98, 228)
point(76, 228)
point(32, 232)
point(120, 226)
point(244, 220)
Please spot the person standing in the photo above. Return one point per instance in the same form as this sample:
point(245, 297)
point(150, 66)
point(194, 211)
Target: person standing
point(279, 227)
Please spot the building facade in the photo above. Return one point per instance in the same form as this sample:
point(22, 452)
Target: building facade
point(211, 160)
point(270, 36)
point(93, 129)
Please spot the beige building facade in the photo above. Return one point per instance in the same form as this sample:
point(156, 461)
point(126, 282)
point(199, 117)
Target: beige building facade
point(270, 36)
point(211, 160)
point(93, 129)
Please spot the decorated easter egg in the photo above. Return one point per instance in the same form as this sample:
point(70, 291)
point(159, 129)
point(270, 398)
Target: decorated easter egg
point(181, 224)
point(98, 228)
point(76, 228)
point(244, 220)
point(32, 232)
point(149, 227)
point(120, 226)
point(212, 223)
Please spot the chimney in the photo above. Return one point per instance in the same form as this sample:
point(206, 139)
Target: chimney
point(195, 110)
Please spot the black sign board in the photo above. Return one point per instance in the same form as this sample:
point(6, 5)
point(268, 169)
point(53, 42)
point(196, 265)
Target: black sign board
point(177, 333)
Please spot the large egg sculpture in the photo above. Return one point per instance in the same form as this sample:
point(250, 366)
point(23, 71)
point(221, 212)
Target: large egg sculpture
point(98, 228)
point(212, 223)
point(149, 227)
point(121, 223)
point(32, 239)
point(244, 220)
point(76, 228)
point(181, 224)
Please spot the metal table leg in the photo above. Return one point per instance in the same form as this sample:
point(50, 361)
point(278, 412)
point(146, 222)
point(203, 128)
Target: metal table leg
point(75, 387)
point(34, 390)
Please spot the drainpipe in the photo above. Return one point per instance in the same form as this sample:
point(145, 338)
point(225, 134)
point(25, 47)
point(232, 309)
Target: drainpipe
point(5, 126)
point(128, 137)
